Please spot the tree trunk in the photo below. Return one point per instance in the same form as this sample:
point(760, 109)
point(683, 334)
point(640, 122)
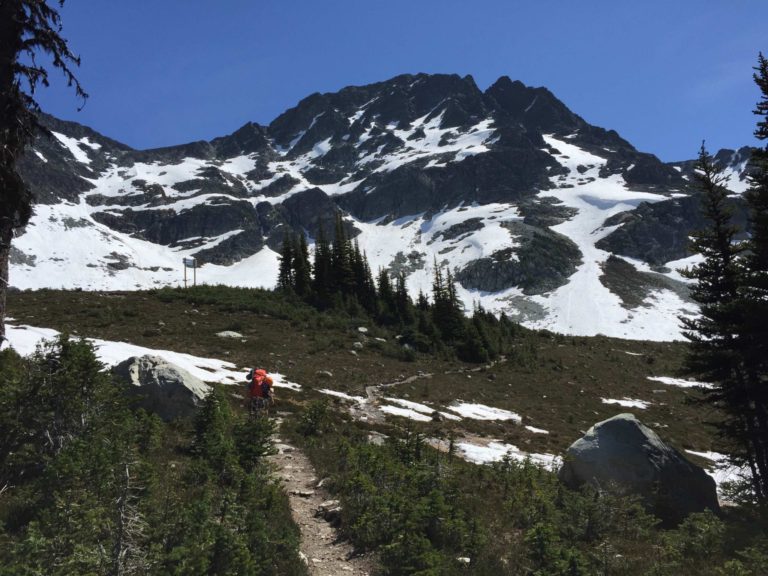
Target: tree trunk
point(6, 233)
point(10, 44)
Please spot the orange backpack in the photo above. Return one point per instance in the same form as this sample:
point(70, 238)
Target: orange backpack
point(260, 384)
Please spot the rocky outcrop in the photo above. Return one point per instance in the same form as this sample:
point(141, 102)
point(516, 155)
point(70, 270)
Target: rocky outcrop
point(622, 455)
point(634, 286)
point(167, 226)
point(161, 387)
point(660, 232)
point(542, 261)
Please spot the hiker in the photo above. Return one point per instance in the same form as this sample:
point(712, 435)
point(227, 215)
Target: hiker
point(259, 388)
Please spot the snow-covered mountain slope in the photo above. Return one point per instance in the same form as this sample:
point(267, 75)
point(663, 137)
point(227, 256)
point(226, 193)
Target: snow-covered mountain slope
point(538, 213)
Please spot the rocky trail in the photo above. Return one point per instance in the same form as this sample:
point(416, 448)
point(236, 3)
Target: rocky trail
point(321, 547)
point(324, 552)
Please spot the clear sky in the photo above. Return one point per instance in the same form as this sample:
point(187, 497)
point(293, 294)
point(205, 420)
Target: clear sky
point(664, 73)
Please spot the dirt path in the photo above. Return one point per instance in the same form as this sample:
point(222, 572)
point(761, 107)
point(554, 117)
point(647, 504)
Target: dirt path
point(322, 551)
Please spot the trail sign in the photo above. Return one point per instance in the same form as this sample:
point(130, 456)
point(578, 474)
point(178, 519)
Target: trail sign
point(190, 262)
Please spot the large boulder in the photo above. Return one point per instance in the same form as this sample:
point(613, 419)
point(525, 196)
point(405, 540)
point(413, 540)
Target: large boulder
point(623, 456)
point(161, 387)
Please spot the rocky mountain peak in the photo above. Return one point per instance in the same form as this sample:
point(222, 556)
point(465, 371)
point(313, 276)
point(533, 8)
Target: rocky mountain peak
point(535, 108)
point(248, 139)
point(509, 188)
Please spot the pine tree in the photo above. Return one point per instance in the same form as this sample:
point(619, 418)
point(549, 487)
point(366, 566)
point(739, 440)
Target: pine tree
point(756, 259)
point(422, 302)
point(446, 311)
point(341, 260)
point(322, 282)
point(28, 28)
point(302, 271)
point(365, 290)
point(285, 278)
point(754, 292)
point(386, 296)
point(403, 301)
point(715, 355)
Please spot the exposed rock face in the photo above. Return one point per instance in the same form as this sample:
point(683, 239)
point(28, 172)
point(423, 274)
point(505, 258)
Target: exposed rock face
point(621, 454)
point(163, 388)
point(543, 261)
point(634, 286)
point(658, 233)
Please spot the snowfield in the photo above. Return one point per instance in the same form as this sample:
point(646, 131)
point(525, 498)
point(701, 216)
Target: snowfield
point(91, 256)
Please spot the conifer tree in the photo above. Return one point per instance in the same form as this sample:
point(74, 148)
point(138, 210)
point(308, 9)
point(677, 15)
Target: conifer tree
point(403, 301)
point(341, 260)
point(387, 304)
point(422, 302)
point(714, 354)
point(28, 28)
point(754, 292)
point(302, 272)
point(322, 282)
point(446, 310)
point(756, 258)
point(285, 280)
point(365, 290)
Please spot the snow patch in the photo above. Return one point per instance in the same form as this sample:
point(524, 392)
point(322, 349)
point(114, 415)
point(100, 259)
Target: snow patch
point(342, 395)
point(495, 451)
point(627, 403)
point(679, 382)
point(73, 145)
point(421, 408)
point(483, 412)
point(405, 413)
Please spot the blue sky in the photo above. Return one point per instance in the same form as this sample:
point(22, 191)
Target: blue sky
point(664, 74)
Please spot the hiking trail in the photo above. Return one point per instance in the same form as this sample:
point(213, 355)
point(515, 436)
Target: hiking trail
point(324, 553)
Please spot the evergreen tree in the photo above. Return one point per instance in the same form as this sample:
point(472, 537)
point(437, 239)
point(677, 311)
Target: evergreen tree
point(285, 278)
point(403, 301)
point(387, 303)
point(446, 310)
point(422, 302)
point(343, 280)
point(754, 292)
point(714, 354)
point(322, 282)
point(28, 28)
point(365, 290)
point(302, 270)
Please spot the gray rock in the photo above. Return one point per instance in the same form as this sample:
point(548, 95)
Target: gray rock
point(229, 334)
point(330, 511)
point(623, 456)
point(163, 388)
point(542, 261)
